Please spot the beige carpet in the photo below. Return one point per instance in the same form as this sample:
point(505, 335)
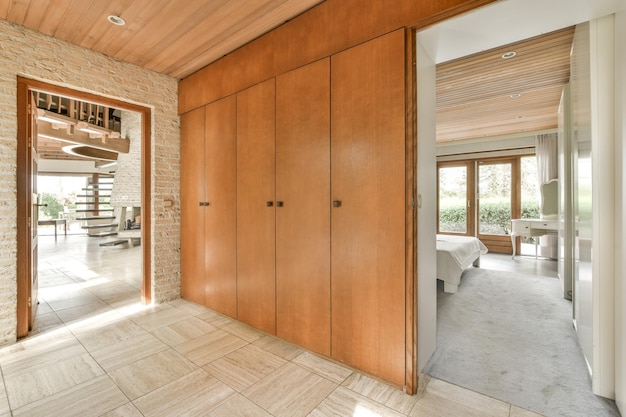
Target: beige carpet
point(510, 336)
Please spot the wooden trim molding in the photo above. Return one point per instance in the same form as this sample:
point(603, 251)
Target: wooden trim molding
point(411, 212)
point(24, 86)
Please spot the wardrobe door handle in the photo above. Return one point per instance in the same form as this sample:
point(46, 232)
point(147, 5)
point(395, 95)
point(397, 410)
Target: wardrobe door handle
point(337, 203)
point(279, 204)
point(269, 204)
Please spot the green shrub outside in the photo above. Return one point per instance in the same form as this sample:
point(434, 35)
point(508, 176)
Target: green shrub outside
point(495, 216)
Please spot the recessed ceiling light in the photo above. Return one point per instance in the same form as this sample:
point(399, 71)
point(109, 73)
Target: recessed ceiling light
point(116, 20)
point(516, 95)
point(509, 54)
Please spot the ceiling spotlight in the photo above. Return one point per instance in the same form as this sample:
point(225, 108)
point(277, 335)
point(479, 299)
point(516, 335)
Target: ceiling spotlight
point(508, 55)
point(516, 95)
point(116, 20)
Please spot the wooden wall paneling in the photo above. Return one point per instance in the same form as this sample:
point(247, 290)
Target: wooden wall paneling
point(191, 213)
point(329, 28)
point(256, 286)
point(411, 361)
point(303, 222)
point(220, 242)
point(368, 227)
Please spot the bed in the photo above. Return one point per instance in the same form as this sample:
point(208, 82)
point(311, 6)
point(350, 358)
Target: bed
point(454, 254)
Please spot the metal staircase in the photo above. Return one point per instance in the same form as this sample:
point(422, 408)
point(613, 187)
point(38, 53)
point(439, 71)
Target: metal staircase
point(97, 215)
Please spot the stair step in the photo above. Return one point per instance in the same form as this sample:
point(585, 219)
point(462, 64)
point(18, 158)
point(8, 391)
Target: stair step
point(114, 242)
point(103, 234)
point(95, 195)
point(96, 218)
point(94, 210)
point(99, 226)
point(92, 202)
point(96, 188)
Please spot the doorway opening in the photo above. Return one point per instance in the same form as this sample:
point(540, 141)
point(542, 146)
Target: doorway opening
point(77, 127)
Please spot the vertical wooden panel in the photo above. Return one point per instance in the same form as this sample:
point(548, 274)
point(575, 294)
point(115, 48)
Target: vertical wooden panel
point(256, 285)
point(220, 244)
point(191, 213)
point(368, 229)
point(303, 222)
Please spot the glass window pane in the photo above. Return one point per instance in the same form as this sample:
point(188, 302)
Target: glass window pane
point(453, 199)
point(494, 196)
point(530, 188)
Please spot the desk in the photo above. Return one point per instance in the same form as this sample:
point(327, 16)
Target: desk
point(532, 228)
point(55, 223)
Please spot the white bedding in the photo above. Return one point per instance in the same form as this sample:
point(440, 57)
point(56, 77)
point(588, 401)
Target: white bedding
point(454, 254)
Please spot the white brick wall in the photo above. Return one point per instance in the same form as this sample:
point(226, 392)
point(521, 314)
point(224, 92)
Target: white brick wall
point(126, 190)
point(33, 55)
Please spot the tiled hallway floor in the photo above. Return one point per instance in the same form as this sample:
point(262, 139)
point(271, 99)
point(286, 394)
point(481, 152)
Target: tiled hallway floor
point(96, 351)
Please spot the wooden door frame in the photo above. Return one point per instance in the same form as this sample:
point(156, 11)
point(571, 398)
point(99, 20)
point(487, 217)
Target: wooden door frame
point(24, 88)
point(470, 194)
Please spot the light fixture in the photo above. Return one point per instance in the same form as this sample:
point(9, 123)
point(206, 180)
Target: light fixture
point(116, 20)
point(508, 55)
point(516, 95)
point(519, 117)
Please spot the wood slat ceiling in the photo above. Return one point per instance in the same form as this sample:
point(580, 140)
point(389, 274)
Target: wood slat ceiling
point(477, 96)
point(178, 37)
point(174, 37)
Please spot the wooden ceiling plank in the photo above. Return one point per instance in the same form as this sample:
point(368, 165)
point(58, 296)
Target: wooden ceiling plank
point(224, 37)
point(228, 38)
point(103, 29)
point(137, 15)
point(17, 11)
point(53, 17)
point(162, 30)
point(77, 11)
point(36, 13)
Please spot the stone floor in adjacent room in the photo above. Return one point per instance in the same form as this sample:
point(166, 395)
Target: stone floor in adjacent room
point(96, 351)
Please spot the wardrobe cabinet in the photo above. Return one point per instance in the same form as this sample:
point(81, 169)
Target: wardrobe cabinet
point(303, 206)
point(256, 218)
point(208, 204)
point(294, 211)
point(368, 214)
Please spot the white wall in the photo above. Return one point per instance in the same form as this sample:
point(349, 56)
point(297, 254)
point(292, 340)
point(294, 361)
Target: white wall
point(620, 211)
point(603, 164)
point(426, 209)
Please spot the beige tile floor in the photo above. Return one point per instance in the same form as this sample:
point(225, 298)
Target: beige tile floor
point(95, 351)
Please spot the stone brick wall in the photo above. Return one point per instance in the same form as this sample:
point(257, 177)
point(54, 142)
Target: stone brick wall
point(33, 55)
point(126, 190)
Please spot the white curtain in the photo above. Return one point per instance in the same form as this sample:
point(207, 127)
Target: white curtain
point(546, 149)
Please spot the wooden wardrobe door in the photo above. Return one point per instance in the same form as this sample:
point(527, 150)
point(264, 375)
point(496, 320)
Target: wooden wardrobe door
point(191, 213)
point(368, 226)
point(220, 243)
point(256, 285)
point(303, 221)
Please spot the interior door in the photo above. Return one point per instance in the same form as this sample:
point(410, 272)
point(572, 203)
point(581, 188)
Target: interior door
point(192, 198)
point(368, 214)
point(256, 216)
point(303, 206)
point(220, 237)
point(34, 213)
point(497, 203)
